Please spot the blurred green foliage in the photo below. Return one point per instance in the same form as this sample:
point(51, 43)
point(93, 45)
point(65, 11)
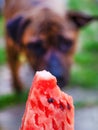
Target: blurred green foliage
point(2, 56)
point(13, 99)
point(87, 77)
point(1, 26)
point(90, 6)
point(82, 104)
point(85, 70)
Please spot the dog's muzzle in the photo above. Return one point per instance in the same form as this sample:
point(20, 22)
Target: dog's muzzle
point(56, 68)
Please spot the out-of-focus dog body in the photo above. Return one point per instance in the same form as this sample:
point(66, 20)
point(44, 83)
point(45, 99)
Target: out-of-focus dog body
point(45, 32)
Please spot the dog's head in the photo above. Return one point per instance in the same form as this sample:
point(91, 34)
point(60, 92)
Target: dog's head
point(49, 40)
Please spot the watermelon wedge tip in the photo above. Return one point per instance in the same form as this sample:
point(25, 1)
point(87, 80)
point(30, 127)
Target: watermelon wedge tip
point(47, 107)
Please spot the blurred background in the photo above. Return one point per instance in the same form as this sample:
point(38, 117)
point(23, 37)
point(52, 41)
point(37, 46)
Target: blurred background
point(84, 76)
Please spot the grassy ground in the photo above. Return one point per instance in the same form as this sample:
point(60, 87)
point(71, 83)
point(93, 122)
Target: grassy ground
point(14, 99)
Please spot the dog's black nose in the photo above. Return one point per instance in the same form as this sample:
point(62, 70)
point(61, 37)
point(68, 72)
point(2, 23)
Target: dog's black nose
point(61, 81)
point(56, 68)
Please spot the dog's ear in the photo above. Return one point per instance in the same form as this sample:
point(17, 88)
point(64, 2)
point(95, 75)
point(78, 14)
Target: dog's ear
point(80, 19)
point(13, 27)
point(24, 24)
point(16, 27)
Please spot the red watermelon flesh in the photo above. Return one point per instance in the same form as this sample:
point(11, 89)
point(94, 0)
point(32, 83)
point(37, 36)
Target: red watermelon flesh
point(47, 107)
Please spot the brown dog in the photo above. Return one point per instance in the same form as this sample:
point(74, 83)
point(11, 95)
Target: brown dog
point(46, 33)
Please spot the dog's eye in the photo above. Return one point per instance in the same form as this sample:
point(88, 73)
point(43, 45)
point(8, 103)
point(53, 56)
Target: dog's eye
point(37, 48)
point(64, 44)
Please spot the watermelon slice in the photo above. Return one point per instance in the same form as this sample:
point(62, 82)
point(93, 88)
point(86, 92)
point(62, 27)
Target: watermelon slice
point(47, 107)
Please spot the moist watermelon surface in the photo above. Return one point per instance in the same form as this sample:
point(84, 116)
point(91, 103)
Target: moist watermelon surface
point(47, 107)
